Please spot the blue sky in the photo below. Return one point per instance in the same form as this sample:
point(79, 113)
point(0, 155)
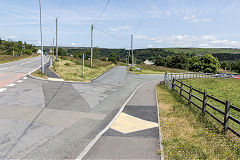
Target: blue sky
point(154, 23)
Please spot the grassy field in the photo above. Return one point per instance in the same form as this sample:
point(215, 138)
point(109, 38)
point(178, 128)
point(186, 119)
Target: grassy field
point(70, 69)
point(223, 89)
point(9, 58)
point(150, 69)
point(188, 135)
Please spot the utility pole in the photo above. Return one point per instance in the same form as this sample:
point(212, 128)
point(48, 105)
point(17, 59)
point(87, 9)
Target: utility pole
point(132, 48)
point(56, 39)
point(128, 55)
point(91, 43)
point(53, 46)
point(42, 60)
point(83, 58)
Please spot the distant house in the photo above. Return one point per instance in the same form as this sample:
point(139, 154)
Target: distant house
point(147, 62)
point(39, 51)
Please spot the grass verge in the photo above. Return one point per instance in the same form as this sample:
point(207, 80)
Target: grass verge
point(151, 69)
point(38, 73)
point(9, 58)
point(189, 135)
point(70, 69)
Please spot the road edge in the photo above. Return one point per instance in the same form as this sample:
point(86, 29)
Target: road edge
point(98, 136)
point(159, 127)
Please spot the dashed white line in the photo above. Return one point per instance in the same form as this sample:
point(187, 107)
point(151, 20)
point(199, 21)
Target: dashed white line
point(11, 85)
point(25, 77)
point(3, 89)
point(19, 81)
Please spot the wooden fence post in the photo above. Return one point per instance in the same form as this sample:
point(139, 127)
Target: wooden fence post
point(173, 83)
point(190, 95)
point(204, 102)
point(226, 116)
point(165, 77)
point(181, 88)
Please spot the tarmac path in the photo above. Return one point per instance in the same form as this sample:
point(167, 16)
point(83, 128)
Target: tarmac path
point(135, 133)
point(57, 120)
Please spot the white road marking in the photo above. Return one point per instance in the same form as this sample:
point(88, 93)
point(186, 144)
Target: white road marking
point(3, 89)
point(11, 85)
point(18, 65)
point(25, 77)
point(19, 81)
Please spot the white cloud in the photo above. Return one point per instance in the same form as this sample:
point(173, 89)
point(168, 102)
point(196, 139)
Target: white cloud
point(191, 41)
point(12, 37)
point(75, 44)
point(225, 44)
point(149, 46)
point(119, 28)
point(195, 19)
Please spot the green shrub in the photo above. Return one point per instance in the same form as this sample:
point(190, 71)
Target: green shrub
point(67, 64)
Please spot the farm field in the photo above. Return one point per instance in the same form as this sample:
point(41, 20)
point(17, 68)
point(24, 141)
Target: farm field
point(187, 135)
point(223, 89)
point(151, 69)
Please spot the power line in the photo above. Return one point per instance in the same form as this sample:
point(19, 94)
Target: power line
point(143, 16)
point(102, 11)
point(106, 32)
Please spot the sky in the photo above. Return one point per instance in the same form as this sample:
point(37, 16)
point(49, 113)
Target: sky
point(153, 23)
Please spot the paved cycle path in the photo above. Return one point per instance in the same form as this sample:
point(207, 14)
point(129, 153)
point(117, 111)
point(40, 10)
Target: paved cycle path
point(134, 134)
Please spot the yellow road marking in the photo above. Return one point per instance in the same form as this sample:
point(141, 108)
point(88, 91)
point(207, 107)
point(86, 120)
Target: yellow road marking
point(127, 123)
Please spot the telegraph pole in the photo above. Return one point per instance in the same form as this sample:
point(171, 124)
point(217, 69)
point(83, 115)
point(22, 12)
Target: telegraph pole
point(132, 48)
point(128, 55)
point(56, 39)
point(91, 43)
point(53, 46)
point(42, 60)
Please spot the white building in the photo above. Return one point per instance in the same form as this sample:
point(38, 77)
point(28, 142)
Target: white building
point(39, 51)
point(147, 62)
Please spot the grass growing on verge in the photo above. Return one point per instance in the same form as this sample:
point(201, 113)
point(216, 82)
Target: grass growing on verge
point(70, 69)
point(151, 69)
point(9, 58)
point(187, 134)
point(38, 73)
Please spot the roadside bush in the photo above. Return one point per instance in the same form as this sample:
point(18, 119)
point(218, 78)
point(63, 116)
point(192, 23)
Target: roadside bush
point(67, 64)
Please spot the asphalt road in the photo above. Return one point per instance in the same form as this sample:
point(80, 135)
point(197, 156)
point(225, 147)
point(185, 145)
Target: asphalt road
point(57, 120)
point(11, 72)
point(135, 133)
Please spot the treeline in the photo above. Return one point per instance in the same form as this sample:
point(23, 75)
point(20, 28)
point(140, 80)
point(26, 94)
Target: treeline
point(231, 65)
point(193, 59)
point(227, 56)
point(206, 63)
point(152, 53)
point(7, 47)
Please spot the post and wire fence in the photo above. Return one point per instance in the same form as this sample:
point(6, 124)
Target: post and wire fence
point(223, 112)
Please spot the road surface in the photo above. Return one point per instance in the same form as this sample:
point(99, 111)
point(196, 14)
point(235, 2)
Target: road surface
point(57, 120)
point(135, 133)
point(11, 72)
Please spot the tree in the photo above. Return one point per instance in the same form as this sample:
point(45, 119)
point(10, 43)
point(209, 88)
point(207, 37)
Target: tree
point(209, 64)
point(194, 64)
point(178, 61)
point(160, 61)
point(114, 58)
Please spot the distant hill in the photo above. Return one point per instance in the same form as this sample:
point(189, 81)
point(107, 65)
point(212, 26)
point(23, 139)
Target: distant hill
point(152, 53)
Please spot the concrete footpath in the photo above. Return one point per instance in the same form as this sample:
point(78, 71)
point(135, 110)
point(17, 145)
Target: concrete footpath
point(135, 133)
